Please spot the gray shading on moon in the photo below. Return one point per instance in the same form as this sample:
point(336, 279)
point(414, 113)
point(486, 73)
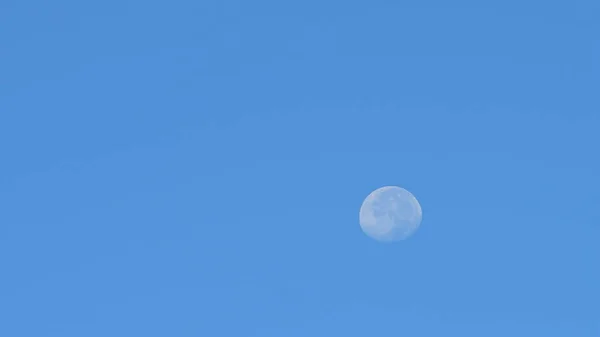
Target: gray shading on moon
point(390, 213)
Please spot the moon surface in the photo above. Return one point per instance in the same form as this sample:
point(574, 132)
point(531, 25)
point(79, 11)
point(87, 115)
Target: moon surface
point(390, 213)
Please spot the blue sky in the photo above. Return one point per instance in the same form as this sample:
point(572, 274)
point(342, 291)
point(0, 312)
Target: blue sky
point(196, 168)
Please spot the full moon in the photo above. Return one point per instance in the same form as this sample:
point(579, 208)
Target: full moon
point(390, 213)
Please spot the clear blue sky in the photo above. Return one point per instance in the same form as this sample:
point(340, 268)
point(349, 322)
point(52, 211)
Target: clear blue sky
point(196, 168)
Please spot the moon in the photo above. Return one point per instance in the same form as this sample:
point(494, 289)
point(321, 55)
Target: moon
point(390, 213)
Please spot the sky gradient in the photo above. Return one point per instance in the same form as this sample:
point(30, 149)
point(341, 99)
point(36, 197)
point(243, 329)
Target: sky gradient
point(196, 168)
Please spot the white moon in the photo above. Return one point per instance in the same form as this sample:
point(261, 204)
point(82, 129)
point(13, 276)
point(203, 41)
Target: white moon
point(390, 213)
